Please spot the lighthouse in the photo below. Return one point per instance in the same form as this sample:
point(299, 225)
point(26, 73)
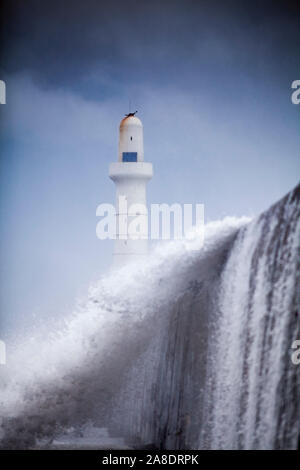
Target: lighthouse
point(130, 175)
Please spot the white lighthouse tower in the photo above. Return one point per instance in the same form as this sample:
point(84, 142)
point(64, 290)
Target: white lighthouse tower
point(130, 174)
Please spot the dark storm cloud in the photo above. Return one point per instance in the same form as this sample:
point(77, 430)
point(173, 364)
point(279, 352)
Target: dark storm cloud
point(60, 43)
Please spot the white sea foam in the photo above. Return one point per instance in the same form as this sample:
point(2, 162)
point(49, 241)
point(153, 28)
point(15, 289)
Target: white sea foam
point(62, 376)
point(188, 350)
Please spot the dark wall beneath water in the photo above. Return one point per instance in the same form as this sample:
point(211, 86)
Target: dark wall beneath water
point(178, 392)
point(161, 404)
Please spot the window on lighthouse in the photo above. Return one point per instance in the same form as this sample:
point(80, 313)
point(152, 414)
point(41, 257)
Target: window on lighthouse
point(129, 156)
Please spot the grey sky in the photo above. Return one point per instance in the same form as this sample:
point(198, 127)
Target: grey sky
point(211, 81)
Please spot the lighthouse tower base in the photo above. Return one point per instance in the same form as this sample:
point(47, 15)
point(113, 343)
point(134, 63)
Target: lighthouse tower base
point(131, 179)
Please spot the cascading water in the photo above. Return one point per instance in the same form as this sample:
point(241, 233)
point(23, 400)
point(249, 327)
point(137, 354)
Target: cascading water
point(192, 350)
point(255, 387)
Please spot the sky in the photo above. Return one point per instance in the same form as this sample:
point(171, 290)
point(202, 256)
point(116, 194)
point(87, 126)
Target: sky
point(211, 81)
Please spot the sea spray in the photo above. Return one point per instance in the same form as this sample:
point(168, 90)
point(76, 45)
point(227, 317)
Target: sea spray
point(191, 350)
point(71, 375)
